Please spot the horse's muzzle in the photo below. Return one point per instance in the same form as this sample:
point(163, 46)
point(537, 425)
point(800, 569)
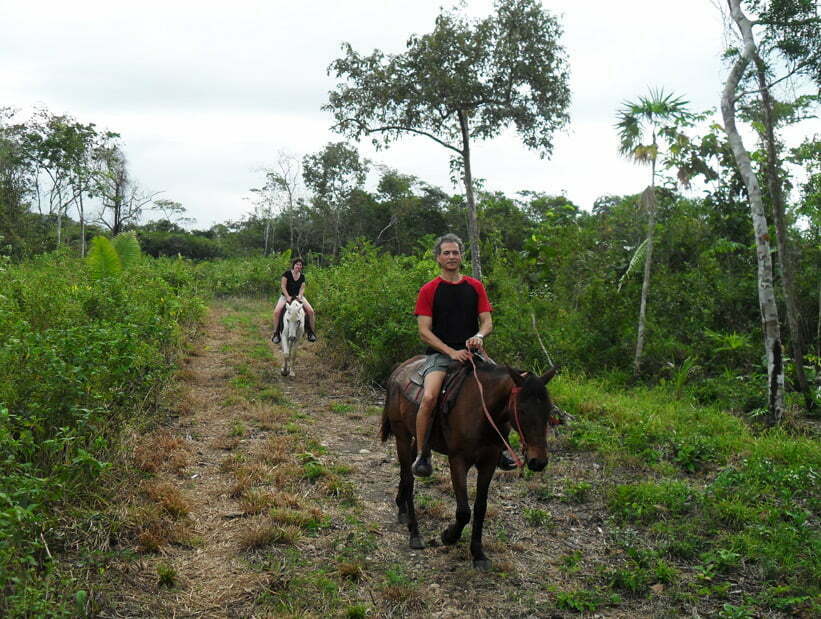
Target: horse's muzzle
point(536, 464)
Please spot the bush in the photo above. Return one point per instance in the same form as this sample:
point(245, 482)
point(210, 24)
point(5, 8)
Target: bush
point(80, 358)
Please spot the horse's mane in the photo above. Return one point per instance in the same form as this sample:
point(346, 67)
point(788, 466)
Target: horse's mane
point(531, 386)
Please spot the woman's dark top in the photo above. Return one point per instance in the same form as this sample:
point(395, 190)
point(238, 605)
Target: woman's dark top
point(292, 285)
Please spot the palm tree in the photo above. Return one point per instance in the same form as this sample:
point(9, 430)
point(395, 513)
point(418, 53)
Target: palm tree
point(641, 125)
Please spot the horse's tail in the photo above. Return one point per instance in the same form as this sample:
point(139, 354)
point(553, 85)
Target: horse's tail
point(385, 431)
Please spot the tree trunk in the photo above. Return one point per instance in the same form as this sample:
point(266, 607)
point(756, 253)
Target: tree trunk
point(82, 228)
point(648, 199)
point(473, 221)
point(766, 294)
point(784, 263)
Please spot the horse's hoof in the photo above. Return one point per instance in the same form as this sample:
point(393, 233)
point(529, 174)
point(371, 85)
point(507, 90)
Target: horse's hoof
point(402, 518)
point(416, 542)
point(448, 538)
point(482, 564)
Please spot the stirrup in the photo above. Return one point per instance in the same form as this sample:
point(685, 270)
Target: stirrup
point(506, 463)
point(422, 466)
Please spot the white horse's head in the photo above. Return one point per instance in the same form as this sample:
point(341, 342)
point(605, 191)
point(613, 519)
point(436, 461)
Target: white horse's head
point(293, 322)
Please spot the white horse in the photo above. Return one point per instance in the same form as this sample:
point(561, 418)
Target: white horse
point(293, 328)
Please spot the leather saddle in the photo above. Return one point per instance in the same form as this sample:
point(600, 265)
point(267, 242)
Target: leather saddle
point(411, 382)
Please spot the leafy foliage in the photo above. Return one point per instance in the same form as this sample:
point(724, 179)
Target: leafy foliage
point(103, 259)
point(128, 248)
point(81, 358)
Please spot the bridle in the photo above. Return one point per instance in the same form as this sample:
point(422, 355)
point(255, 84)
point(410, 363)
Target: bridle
point(288, 313)
point(514, 398)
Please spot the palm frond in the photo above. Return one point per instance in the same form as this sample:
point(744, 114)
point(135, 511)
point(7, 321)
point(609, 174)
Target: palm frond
point(128, 248)
point(635, 261)
point(102, 258)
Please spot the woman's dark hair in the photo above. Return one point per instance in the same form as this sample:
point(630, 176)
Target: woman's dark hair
point(295, 260)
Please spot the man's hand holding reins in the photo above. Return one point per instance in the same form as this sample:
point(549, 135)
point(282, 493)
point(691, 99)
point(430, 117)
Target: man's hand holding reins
point(476, 342)
point(460, 355)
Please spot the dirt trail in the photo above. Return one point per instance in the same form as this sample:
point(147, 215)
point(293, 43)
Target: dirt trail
point(230, 475)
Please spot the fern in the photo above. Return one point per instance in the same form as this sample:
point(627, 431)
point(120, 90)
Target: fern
point(103, 260)
point(635, 261)
point(128, 248)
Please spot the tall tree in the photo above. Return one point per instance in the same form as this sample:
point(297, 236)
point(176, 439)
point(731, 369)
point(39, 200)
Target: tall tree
point(465, 80)
point(283, 182)
point(123, 201)
point(789, 45)
point(775, 193)
point(642, 125)
point(766, 293)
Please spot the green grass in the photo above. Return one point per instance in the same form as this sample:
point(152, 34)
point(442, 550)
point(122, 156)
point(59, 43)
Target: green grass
point(708, 489)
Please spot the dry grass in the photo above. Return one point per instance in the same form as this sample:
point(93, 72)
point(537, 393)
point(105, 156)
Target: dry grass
point(300, 519)
point(239, 487)
point(255, 501)
point(288, 501)
point(276, 449)
point(161, 451)
point(267, 416)
point(410, 598)
point(232, 462)
point(341, 489)
point(350, 570)
point(167, 496)
point(287, 475)
point(226, 443)
point(153, 528)
point(436, 509)
point(255, 471)
point(260, 534)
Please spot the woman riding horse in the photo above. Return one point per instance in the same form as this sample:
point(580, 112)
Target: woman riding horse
point(292, 284)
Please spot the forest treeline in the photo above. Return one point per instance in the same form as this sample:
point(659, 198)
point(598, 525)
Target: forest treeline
point(579, 271)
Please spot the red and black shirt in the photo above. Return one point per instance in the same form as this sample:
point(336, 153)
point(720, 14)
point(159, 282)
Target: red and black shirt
point(454, 308)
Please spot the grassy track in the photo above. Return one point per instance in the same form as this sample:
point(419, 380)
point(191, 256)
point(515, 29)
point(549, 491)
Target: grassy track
point(270, 496)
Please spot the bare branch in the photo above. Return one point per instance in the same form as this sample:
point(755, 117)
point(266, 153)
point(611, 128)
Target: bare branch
point(368, 130)
point(769, 86)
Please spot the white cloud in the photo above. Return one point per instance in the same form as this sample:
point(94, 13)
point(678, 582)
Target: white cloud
point(204, 93)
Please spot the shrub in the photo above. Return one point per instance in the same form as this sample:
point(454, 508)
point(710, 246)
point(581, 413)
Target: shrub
point(81, 357)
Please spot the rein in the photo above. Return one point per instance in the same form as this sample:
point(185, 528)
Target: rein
point(513, 398)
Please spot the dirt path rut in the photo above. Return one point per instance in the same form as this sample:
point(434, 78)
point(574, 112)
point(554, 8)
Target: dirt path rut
point(272, 496)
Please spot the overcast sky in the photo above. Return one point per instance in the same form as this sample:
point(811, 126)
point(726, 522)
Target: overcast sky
point(205, 94)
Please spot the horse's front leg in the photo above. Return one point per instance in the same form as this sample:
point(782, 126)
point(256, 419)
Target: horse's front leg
point(458, 477)
point(485, 469)
point(285, 353)
point(292, 359)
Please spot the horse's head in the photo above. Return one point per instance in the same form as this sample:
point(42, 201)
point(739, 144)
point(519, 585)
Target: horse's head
point(294, 319)
point(530, 408)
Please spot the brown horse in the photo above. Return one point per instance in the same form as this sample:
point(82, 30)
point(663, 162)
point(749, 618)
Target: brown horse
point(513, 398)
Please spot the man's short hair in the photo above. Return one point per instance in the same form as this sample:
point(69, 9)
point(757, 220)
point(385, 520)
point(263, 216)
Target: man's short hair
point(448, 238)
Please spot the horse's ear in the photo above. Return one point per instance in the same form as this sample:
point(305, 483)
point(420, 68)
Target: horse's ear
point(550, 374)
point(516, 375)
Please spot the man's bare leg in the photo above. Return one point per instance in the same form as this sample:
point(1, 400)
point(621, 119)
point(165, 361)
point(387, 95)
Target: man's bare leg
point(432, 386)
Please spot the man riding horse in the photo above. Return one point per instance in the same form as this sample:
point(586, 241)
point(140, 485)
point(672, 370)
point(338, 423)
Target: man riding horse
point(453, 315)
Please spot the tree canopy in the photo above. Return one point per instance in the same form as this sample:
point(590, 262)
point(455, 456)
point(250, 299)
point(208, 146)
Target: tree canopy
point(464, 80)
